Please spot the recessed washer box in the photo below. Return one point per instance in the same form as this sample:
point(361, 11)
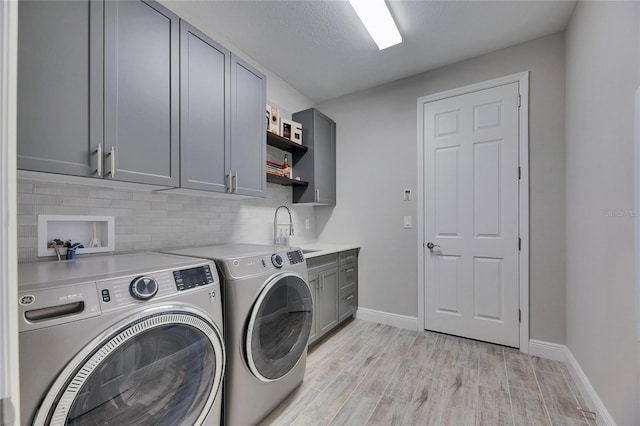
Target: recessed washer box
point(78, 229)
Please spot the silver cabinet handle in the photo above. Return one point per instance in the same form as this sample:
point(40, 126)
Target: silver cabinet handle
point(321, 282)
point(350, 297)
point(317, 195)
point(113, 162)
point(229, 187)
point(236, 181)
point(348, 271)
point(349, 257)
point(99, 153)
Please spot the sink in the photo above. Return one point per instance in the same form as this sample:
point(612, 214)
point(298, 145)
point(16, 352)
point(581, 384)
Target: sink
point(305, 251)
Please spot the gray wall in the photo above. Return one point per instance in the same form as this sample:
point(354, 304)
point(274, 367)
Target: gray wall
point(602, 76)
point(376, 151)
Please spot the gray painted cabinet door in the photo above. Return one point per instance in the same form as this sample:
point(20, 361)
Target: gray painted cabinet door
point(327, 316)
point(141, 74)
point(248, 136)
point(318, 164)
point(313, 284)
point(59, 90)
point(204, 111)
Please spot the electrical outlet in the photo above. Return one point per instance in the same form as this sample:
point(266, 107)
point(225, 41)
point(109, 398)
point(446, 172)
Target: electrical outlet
point(407, 222)
point(407, 195)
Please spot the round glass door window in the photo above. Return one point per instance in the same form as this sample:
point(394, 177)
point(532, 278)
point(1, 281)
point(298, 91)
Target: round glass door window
point(163, 369)
point(279, 327)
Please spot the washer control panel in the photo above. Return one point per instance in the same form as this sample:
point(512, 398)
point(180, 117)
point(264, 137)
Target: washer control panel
point(194, 277)
point(295, 257)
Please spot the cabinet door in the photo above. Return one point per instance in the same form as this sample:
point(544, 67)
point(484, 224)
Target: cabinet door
point(59, 111)
point(141, 92)
point(313, 284)
point(248, 138)
point(204, 110)
point(327, 301)
point(325, 159)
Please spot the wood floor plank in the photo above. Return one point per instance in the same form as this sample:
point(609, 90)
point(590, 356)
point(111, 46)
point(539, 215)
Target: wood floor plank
point(557, 395)
point(492, 370)
point(528, 408)
point(520, 372)
point(355, 411)
point(320, 377)
point(421, 348)
point(448, 367)
point(377, 379)
point(328, 402)
point(437, 403)
point(558, 420)
point(399, 347)
point(388, 411)
point(549, 365)
point(292, 406)
point(404, 381)
point(494, 407)
point(365, 337)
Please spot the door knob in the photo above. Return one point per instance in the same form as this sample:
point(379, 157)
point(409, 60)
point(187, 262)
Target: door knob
point(430, 245)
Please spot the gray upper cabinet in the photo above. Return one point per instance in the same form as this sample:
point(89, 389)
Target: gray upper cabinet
point(59, 86)
point(248, 138)
point(204, 109)
point(141, 82)
point(318, 164)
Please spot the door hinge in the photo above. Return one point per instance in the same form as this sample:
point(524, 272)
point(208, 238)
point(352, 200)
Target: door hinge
point(519, 172)
point(7, 412)
point(519, 315)
point(519, 244)
point(519, 100)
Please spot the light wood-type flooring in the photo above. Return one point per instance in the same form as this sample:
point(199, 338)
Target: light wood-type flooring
point(373, 374)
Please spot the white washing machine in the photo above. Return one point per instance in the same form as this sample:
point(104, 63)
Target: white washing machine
point(267, 310)
point(130, 339)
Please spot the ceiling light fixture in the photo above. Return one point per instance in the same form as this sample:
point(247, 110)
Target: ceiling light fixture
point(376, 18)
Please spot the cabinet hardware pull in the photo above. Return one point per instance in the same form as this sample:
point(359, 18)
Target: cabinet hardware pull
point(229, 187)
point(113, 162)
point(99, 152)
point(348, 271)
point(317, 195)
point(350, 297)
point(236, 182)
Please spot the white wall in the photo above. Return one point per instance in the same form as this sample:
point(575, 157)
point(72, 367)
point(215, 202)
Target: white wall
point(376, 151)
point(601, 79)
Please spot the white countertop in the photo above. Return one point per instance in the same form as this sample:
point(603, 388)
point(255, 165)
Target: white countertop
point(321, 249)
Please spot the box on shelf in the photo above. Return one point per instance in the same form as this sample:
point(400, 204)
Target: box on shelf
point(296, 132)
point(285, 128)
point(274, 119)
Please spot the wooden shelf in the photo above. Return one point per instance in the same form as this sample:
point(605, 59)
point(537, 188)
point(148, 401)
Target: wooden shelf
point(284, 144)
point(285, 181)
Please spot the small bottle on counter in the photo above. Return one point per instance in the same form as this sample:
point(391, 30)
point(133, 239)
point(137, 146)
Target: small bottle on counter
point(286, 168)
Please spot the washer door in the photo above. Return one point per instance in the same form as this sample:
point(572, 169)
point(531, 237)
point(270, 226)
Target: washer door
point(163, 366)
point(279, 327)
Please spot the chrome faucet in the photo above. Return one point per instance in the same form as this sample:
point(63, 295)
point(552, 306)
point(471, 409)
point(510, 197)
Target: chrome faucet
point(275, 224)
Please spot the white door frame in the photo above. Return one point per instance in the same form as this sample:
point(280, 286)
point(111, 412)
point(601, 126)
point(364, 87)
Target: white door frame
point(9, 376)
point(523, 193)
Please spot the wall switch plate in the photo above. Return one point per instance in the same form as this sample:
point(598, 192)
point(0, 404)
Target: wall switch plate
point(407, 195)
point(407, 222)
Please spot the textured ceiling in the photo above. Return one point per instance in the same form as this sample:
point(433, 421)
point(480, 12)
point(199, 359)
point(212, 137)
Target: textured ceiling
point(322, 49)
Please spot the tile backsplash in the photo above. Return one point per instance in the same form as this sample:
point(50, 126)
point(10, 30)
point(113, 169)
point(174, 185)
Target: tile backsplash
point(156, 220)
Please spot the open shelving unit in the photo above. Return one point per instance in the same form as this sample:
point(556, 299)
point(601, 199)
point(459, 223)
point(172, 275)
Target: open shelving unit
point(285, 145)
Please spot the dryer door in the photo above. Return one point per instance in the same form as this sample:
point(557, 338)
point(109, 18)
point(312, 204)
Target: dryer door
point(279, 327)
point(163, 366)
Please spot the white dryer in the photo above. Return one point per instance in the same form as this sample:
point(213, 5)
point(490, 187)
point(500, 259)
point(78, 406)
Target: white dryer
point(131, 339)
point(267, 309)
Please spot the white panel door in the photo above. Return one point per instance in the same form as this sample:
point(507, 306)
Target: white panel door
point(471, 215)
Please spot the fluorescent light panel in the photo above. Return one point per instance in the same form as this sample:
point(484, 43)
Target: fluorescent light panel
point(376, 18)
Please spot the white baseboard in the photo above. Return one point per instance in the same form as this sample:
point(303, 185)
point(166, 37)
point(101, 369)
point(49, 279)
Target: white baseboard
point(562, 353)
point(548, 350)
point(387, 318)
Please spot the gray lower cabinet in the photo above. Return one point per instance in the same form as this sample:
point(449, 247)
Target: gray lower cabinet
point(141, 82)
point(334, 286)
point(318, 165)
point(59, 105)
